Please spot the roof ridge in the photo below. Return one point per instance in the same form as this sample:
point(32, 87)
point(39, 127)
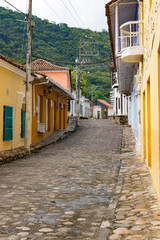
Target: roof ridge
point(42, 65)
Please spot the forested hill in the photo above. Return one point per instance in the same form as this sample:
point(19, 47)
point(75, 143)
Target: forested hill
point(58, 44)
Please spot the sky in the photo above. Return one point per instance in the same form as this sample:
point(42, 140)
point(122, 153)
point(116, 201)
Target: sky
point(75, 13)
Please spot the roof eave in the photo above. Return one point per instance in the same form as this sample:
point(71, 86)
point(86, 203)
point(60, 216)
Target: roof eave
point(110, 29)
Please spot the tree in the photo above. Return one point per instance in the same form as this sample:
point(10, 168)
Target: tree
point(83, 81)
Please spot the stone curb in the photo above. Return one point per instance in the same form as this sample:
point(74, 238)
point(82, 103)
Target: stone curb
point(12, 155)
point(125, 152)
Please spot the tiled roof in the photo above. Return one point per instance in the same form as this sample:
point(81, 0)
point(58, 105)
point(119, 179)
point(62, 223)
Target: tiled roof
point(43, 65)
point(18, 65)
point(60, 77)
point(104, 103)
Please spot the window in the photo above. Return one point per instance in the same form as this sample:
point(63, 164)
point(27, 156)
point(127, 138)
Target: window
point(23, 114)
point(119, 103)
point(7, 123)
point(81, 109)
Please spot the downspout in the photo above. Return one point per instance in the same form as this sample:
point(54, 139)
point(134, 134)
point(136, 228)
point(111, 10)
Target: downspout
point(34, 94)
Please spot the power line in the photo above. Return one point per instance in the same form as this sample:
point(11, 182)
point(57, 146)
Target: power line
point(76, 12)
point(70, 13)
point(15, 7)
point(72, 63)
point(23, 39)
point(53, 10)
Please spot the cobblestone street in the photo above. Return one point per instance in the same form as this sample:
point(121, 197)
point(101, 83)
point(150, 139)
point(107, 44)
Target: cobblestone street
point(63, 191)
point(80, 188)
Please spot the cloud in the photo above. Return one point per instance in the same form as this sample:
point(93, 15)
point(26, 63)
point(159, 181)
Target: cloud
point(91, 12)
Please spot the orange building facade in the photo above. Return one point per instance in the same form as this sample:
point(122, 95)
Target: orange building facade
point(49, 105)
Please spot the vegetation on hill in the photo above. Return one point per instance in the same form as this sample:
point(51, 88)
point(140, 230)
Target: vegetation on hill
point(58, 44)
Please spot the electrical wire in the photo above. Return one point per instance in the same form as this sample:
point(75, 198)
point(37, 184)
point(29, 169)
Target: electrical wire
point(72, 63)
point(76, 12)
point(15, 7)
point(70, 13)
point(53, 10)
point(23, 40)
point(24, 32)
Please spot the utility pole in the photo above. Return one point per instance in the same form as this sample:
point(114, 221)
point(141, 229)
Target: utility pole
point(83, 51)
point(79, 84)
point(27, 140)
point(92, 90)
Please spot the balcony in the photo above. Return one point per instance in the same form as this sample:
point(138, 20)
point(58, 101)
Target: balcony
point(114, 80)
point(131, 49)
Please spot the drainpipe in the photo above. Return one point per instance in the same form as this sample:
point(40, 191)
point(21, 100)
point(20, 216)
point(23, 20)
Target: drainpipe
point(34, 94)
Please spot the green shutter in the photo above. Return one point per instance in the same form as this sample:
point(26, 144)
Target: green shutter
point(8, 123)
point(23, 114)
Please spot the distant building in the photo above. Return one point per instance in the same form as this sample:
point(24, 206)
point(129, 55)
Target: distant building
point(85, 107)
point(101, 109)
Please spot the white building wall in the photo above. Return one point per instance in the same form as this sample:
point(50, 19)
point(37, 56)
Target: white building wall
point(85, 107)
point(133, 116)
point(110, 111)
point(97, 109)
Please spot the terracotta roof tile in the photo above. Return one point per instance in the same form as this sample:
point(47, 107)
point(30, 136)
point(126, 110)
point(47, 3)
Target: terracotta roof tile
point(105, 103)
point(43, 65)
point(18, 65)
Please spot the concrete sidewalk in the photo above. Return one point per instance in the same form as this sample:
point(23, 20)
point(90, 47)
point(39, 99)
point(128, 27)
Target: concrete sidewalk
point(135, 210)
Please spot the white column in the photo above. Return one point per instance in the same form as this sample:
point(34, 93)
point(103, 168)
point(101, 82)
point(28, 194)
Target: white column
point(116, 29)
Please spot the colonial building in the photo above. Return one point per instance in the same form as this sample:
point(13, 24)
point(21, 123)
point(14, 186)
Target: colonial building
point(51, 91)
point(135, 41)
point(12, 100)
point(85, 107)
point(149, 80)
point(101, 109)
point(125, 30)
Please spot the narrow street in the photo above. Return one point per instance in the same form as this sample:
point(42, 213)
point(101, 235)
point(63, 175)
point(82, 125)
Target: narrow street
point(64, 190)
point(88, 186)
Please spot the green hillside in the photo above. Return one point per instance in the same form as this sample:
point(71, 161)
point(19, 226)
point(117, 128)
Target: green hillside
point(58, 44)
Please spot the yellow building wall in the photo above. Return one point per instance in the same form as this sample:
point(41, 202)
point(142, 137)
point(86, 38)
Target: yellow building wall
point(12, 89)
point(60, 122)
point(150, 121)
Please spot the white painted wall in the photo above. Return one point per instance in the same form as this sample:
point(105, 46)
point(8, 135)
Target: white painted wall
point(110, 111)
point(97, 109)
point(85, 106)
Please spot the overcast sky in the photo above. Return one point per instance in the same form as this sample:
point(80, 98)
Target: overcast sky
point(84, 13)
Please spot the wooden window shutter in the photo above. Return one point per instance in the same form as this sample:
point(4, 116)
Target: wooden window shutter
point(8, 123)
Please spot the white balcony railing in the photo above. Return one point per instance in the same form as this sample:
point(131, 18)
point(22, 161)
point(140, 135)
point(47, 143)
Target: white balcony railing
point(131, 34)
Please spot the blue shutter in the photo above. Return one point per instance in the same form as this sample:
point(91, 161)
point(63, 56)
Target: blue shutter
point(7, 123)
point(23, 114)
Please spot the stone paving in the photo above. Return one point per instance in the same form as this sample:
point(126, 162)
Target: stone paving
point(64, 190)
point(84, 187)
point(137, 214)
point(14, 154)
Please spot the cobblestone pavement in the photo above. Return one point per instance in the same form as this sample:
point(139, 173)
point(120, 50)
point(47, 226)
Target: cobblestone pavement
point(137, 213)
point(64, 190)
point(80, 188)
